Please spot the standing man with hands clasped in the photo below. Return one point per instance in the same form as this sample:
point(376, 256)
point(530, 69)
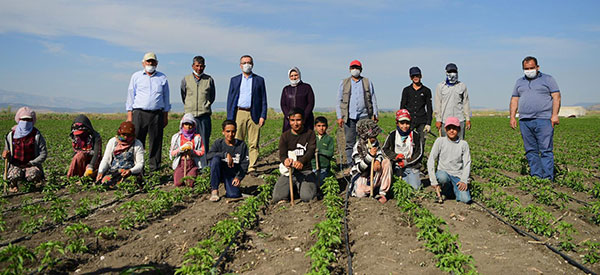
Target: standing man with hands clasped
point(416, 98)
point(537, 98)
point(247, 106)
point(148, 107)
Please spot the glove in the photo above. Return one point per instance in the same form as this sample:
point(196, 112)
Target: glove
point(399, 157)
point(401, 164)
point(186, 147)
point(427, 128)
point(88, 172)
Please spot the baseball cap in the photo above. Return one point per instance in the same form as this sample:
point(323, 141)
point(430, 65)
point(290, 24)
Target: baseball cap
point(355, 63)
point(452, 121)
point(414, 71)
point(149, 56)
point(451, 67)
point(402, 114)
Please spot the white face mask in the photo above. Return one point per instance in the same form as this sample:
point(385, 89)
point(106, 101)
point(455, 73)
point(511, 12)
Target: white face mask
point(196, 74)
point(452, 77)
point(355, 72)
point(150, 69)
point(247, 68)
point(294, 82)
point(530, 73)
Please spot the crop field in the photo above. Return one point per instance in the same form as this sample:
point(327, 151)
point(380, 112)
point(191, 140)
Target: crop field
point(516, 225)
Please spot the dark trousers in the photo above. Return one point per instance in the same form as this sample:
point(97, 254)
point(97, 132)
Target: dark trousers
point(150, 123)
point(219, 172)
point(350, 133)
point(204, 128)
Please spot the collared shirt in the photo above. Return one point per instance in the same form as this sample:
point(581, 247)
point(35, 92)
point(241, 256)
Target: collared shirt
point(535, 96)
point(356, 107)
point(148, 92)
point(418, 103)
point(245, 100)
point(452, 101)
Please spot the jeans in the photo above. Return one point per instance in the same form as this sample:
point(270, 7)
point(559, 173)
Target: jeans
point(350, 133)
point(204, 128)
point(538, 142)
point(412, 177)
point(323, 173)
point(444, 179)
point(219, 172)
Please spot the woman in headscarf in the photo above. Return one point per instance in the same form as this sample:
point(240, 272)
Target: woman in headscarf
point(186, 151)
point(367, 153)
point(123, 156)
point(297, 95)
point(25, 150)
point(87, 148)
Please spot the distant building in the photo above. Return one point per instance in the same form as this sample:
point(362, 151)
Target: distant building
point(571, 111)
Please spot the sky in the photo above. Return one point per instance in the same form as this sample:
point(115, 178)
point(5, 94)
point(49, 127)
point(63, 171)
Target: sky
point(88, 49)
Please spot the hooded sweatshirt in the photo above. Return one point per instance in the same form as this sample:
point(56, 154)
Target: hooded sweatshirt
point(176, 143)
point(96, 151)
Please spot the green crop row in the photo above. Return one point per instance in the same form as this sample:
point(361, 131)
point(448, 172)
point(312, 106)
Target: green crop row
point(444, 245)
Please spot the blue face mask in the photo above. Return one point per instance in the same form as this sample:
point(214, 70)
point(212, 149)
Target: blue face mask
point(402, 133)
point(23, 128)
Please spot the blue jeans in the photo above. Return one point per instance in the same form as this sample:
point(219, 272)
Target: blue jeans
point(444, 179)
point(538, 142)
point(204, 128)
point(219, 172)
point(323, 173)
point(412, 177)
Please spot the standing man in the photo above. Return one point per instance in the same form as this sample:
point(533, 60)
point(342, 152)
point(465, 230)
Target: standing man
point(148, 107)
point(416, 98)
point(356, 100)
point(452, 100)
point(247, 106)
point(198, 94)
point(537, 97)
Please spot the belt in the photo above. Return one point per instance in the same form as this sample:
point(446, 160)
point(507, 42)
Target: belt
point(244, 109)
point(149, 111)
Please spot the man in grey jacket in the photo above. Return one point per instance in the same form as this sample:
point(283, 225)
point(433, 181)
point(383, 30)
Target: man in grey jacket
point(452, 100)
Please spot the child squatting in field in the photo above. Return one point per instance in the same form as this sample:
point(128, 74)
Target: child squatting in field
point(187, 148)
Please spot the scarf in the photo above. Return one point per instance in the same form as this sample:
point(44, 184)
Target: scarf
point(82, 142)
point(404, 144)
point(188, 134)
point(123, 144)
point(23, 129)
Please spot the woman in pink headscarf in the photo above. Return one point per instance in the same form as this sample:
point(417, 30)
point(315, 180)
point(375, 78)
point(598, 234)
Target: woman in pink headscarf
point(25, 150)
point(187, 148)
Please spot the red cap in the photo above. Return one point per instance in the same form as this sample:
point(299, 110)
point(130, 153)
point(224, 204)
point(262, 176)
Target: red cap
point(355, 63)
point(402, 114)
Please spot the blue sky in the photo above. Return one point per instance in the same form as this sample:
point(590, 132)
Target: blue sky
point(89, 49)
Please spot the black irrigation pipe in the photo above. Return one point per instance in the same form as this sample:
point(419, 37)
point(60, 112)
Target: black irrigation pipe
point(222, 256)
point(523, 233)
point(348, 252)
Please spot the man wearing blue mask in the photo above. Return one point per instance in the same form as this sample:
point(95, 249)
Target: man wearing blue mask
point(537, 97)
point(452, 100)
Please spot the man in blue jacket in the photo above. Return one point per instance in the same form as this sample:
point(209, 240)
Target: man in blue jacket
point(247, 106)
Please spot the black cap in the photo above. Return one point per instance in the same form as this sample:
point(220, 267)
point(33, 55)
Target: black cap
point(451, 67)
point(414, 71)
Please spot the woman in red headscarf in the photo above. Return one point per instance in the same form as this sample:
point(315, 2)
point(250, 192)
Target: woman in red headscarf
point(87, 147)
point(123, 156)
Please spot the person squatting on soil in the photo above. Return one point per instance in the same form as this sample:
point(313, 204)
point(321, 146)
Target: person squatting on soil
point(416, 98)
point(123, 156)
point(229, 162)
point(87, 148)
point(297, 95)
point(187, 150)
point(367, 152)
point(537, 97)
point(404, 148)
point(454, 163)
point(198, 94)
point(296, 150)
point(25, 149)
point(452, 100)
point(325, 150)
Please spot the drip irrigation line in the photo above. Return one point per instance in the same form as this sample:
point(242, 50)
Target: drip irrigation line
point(523, 233)
point(348, 252)
point(222, 256)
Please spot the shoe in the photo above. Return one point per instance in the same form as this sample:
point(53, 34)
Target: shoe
point(214, 198)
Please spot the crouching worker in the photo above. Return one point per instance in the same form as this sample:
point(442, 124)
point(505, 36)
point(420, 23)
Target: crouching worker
point(25, 150)
point(87, 147)
point(229, 162)
point(296, 150)
point(186, 151)
point(454, 163)
point(123, 156)
point(403, 147)
point(367, 153)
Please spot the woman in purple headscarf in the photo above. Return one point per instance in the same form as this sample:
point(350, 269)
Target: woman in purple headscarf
point(297, 95)
point(25, 150)
point(187, 148)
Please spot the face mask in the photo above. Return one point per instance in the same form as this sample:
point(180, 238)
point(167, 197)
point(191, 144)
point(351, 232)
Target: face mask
point(355, 72)
point(247, 68)
point(530, 73)
point(452, 77)
point(150, 68)
point(418, 83)
point(295, 82)
point(196, 74)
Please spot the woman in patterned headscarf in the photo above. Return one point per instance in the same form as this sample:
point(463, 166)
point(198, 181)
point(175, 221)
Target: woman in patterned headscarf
point(87, 148)
point(25, 150)
point(123, 156)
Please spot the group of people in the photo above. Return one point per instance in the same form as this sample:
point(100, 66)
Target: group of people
point(305, 148)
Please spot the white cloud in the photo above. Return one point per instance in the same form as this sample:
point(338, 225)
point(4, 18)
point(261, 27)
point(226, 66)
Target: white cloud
point(52, 47)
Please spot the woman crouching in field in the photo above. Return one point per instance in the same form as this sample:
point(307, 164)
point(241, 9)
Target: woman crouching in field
point(87, 147)
point(187, 148)
point(25, 150)
point(123, 156)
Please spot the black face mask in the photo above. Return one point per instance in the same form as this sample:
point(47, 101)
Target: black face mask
point(418, 83)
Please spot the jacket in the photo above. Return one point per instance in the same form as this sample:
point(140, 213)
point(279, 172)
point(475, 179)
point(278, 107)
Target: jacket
point(138, 152)
point(96, 140)
point(412, 161)
point(176, 144)
point(40, 153)
point(258, 106)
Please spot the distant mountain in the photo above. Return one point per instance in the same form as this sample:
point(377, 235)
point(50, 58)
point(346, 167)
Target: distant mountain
point(586, 104)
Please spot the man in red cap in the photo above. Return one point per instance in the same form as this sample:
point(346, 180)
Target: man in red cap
point(356, 100)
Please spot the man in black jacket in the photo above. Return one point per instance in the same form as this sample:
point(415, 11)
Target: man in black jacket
point(416, 98)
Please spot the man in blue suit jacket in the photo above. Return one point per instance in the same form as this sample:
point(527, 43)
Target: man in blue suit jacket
point(247, 106)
